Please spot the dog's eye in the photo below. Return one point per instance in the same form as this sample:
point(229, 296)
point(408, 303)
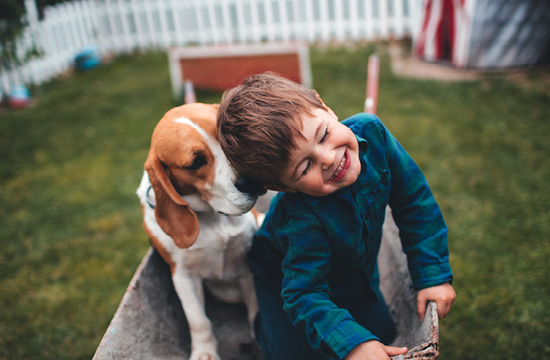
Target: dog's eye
point(197, 163)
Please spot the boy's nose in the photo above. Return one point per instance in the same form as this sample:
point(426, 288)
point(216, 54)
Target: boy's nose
point(326, 159)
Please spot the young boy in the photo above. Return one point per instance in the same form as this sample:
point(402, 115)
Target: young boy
point(314, 258)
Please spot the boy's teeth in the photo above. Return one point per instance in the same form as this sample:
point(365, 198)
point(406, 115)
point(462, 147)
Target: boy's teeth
point(339, 169)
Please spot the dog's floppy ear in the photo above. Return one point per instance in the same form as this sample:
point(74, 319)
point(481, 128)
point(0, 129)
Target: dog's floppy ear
point(173, 214)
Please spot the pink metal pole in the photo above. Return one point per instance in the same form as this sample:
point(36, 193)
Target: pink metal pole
point(189, 92)
point(372, 84)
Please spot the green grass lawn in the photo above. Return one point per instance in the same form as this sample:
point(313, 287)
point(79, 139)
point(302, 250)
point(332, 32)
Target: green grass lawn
point(71, 235)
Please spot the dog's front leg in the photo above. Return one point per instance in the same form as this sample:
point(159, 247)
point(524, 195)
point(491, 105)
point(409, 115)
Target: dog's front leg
point(191, 294)
point(246, 284)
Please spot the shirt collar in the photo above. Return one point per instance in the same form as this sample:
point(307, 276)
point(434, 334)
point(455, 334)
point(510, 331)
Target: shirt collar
point(363, 145)
point(363, 150)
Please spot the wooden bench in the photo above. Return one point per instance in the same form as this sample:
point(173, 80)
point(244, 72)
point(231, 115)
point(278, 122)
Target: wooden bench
point(224, 66)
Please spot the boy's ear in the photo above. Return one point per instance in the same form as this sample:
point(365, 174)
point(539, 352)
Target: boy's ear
point(280, 188)
point(329, 110)
point(321, 100)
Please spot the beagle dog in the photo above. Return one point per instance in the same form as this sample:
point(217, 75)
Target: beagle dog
point(196, 214)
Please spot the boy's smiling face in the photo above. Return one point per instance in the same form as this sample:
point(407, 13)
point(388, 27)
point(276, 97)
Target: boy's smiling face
point(326, 158)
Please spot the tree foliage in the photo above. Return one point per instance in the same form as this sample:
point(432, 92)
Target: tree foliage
point(12, 23)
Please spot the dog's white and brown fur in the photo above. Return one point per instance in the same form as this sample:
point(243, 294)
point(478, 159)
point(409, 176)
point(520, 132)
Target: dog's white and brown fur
point(192, 214)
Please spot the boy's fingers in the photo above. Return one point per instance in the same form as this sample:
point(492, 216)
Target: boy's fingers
point(421, 308)
point(393, 350)
point(443, 307)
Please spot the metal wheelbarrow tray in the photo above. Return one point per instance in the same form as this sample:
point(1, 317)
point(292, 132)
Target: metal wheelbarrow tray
point(150, 323)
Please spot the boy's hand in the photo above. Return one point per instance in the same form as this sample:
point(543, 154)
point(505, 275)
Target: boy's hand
point(374, 350)
point(444, 295)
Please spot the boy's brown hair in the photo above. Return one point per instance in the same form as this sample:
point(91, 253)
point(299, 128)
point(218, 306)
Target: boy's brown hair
point(258, 122)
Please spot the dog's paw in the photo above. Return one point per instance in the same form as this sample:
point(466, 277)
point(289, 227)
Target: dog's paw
point(204, 355)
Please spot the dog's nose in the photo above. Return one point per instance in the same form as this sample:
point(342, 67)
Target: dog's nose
point(245, 185)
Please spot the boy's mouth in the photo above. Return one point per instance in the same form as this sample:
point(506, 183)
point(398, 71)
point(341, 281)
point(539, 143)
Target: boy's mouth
point(341, 169)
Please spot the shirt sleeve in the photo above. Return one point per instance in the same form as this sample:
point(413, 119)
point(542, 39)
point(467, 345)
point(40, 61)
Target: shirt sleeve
point(421, 225)
point(306, 293)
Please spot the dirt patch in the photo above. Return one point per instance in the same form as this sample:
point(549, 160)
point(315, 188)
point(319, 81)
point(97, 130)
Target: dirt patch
point(406, 64)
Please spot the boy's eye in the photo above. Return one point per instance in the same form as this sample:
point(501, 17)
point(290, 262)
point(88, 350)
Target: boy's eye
point(324, 136)
point(306, 169)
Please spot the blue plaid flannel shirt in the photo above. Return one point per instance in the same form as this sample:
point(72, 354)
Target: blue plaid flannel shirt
point(325, 248)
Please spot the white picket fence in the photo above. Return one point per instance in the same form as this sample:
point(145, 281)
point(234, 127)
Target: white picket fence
point(122, 26)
